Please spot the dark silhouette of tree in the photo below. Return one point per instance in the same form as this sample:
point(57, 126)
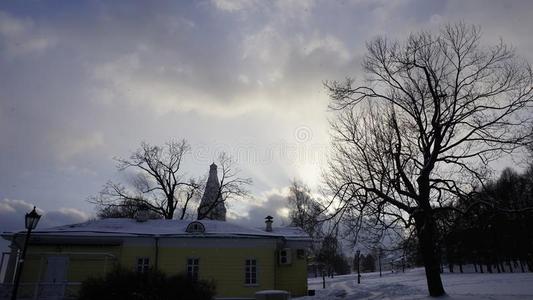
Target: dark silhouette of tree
point(157, 183)
point(327, 251)
point(495, 233)
point(368, 263)
point(340, 264)
point(410, 250)
point(304, 211)
point(422, 129)
point(330, 257)
point(126, 209)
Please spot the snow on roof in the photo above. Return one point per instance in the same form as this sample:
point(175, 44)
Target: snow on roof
point(131, 227)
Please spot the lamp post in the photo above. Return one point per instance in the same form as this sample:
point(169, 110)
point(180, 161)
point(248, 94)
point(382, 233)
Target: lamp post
point(358, 253)
point(31, 220)
point(379, 260)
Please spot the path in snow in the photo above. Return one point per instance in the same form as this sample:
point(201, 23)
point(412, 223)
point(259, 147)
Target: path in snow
point(412, 285)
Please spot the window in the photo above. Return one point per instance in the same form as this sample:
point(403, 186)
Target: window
point(143, 264)
point(285, 256)
point(193, 267)
point(300, 253)
point(195, 227)
point(250, 271)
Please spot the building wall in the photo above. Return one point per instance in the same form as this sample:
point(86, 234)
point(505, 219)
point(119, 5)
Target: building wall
point(83, 262)
point(293, 277)
point(221, 260)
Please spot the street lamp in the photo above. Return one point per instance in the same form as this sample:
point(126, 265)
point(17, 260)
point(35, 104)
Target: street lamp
point(31, 220)
point(358, 264)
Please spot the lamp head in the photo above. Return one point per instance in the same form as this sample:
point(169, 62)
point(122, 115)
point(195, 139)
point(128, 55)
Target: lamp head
point(32, 218)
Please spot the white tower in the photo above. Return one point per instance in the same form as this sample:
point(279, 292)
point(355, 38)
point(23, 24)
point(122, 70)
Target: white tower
point(212, 205)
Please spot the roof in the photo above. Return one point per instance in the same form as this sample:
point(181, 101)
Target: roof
point(120, 227)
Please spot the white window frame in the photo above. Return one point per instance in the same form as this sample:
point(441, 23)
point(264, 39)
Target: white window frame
point(193, 272)
point(143, 264)
point(251, 267)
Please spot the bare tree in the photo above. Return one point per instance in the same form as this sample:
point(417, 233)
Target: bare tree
point(231, 185)
point(157, 183)
point(126, 209)
point(422, 129)
point(304, 211)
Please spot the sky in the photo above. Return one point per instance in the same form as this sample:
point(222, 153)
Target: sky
point(82, 82)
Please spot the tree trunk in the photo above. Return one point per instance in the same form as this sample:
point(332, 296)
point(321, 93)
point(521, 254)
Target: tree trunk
point(426, 235)
point(170, 210)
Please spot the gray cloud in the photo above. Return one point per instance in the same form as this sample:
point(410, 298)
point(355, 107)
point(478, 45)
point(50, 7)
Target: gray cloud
point(12, 214)
point(84, 81)
point(21, 37)
point(273, 203)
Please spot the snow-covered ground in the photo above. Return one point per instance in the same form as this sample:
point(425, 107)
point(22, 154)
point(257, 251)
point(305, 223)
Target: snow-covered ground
point(412, 285)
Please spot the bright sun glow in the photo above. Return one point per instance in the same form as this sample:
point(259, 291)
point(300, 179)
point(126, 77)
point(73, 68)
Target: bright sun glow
point(284, 212)
point(310, 174)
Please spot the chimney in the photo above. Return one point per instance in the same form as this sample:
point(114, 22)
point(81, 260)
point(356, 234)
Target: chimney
point(268, 223)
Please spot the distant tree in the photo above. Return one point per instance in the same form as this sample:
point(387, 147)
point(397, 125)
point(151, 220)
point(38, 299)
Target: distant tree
point(422, 130)
point(368, 263)
point(496, 231)
point(340, 264)
point(157, 183)
point(304, 211)
point(330, 257)
point(127, 209)
point(411, 251)
point(327, 253)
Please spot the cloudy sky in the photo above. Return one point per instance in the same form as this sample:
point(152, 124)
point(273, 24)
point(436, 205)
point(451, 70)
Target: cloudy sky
point(83, 82)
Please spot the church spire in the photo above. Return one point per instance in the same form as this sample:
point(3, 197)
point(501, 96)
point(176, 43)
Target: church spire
point(212, 206)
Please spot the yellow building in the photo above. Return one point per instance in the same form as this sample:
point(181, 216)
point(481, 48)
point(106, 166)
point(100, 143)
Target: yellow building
point(240, 260)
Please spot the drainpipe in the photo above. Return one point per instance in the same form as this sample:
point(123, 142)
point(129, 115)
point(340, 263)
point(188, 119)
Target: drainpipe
point(276, 259)
point(156, 264)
